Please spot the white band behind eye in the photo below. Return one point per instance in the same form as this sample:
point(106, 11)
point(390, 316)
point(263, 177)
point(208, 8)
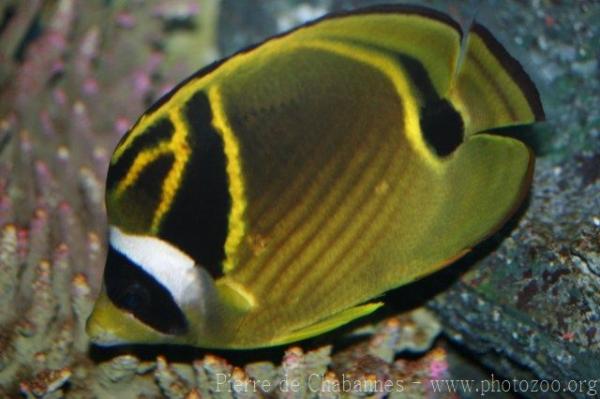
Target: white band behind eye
point(167, 264)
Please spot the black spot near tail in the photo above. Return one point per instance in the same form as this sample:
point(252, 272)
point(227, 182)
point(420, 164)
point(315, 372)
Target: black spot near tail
point(442, 127)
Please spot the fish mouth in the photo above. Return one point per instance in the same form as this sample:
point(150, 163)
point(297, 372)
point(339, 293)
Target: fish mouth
point(106, 340)
point(108, 325)
point(99, 334)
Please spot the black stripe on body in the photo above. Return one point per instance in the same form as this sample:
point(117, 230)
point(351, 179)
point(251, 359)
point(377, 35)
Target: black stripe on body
point(197, 221)
point(161, 130)
point(441, 125)
point(418, 75)
point(132, 289)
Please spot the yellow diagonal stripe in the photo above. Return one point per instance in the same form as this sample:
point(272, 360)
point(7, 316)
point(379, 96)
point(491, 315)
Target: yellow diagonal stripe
point(181, 150)
point(237, 225)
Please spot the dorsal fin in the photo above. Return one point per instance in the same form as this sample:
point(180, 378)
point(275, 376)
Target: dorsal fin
point(491, 88)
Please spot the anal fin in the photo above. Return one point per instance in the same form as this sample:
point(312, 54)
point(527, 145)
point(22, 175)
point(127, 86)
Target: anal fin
point(330, 323)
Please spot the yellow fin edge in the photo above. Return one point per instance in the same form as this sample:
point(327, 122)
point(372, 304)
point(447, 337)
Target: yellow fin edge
point(330, 323)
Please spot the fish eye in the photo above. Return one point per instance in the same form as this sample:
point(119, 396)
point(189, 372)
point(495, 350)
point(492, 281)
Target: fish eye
point(133, 290)
point(135, 297)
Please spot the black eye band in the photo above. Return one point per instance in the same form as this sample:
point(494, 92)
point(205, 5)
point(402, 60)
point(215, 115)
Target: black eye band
point(132, 289)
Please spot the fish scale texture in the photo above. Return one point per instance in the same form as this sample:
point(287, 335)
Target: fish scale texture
point(74, 76)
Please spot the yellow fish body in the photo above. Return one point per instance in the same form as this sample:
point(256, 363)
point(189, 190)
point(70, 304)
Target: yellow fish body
point(270, 196)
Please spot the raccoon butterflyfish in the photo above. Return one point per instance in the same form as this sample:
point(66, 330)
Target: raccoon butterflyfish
point(271, 196)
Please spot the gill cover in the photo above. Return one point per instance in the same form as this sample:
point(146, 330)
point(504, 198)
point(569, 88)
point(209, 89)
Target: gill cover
point(309, 174)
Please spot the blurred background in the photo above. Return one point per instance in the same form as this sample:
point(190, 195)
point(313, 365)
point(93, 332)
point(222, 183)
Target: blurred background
point(76, 74)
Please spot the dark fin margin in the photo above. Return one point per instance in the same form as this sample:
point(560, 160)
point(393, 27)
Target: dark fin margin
point(397, 9)
point(514, 68)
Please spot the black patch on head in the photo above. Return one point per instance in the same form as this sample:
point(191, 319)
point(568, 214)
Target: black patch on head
point(148, 185)
point(132, 289)
point(161, 130)
point(198, 219)
point(442, 127)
